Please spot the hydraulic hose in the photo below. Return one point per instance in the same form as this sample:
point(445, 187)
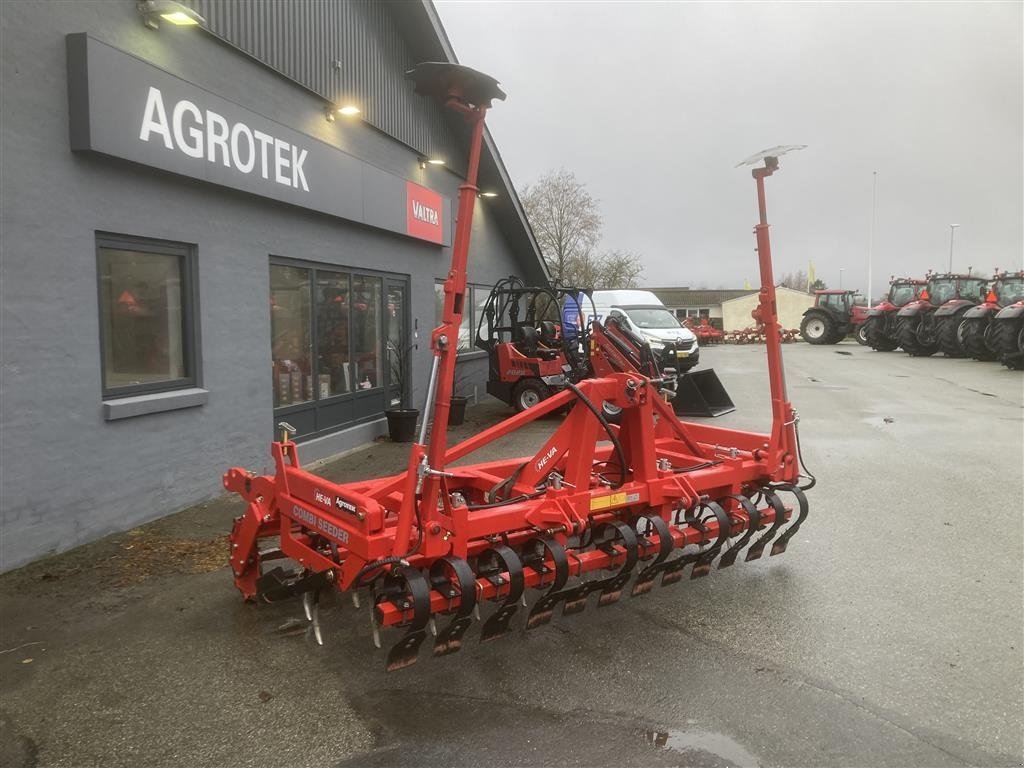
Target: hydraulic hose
point(616, 445)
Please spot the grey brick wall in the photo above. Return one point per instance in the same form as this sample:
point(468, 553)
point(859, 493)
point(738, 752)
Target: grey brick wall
point(69, 476)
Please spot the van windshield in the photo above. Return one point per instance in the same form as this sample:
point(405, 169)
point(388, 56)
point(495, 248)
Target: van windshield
point(653, 317)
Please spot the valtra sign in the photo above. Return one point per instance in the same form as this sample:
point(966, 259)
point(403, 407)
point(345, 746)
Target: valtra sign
point(124, 107)
point(423, 213)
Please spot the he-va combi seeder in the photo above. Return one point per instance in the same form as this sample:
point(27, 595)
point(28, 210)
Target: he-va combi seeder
point(599, 505)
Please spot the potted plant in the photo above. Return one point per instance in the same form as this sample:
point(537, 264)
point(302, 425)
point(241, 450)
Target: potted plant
point(401, 419)
point(457, 412)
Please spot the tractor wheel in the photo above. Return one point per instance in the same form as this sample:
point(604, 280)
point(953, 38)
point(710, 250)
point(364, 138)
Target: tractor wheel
point(1007, 339)
point(972, 335)
point(907, 334)
point(818, 329)
point(874, 329)
point(948, 333)
point(861, 334)
point(528, 393)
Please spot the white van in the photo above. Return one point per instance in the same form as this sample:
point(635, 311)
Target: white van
point(645, 315)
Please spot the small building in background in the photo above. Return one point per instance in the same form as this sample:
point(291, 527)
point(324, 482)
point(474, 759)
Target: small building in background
point(791, 306)
point(687, 302)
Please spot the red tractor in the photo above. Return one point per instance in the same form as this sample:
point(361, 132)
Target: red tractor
point(834, 316)
point(977, 330)
point(880, 327)
point(931, 323)
point(1008, 335)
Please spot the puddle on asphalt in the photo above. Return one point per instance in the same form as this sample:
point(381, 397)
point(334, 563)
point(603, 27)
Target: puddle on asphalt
point(714, 745)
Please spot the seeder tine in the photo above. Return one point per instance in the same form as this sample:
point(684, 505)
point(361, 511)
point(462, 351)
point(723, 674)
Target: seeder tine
point(753, 524)
point(542, 612)
point(780, 546)
point(499, 622)
point(405, 652)
point(673, 573)
point(779, 509)
point(449, 639)
point(491, 564)
point(576, 599)
point(645, 579)
point(453, 577)
point(702, 567)
point(408, 588)
point(613, 590)
point(644, 582)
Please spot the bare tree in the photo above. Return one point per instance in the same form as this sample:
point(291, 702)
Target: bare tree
point(620, 269)
point(796, 280)
point(565, 219)
point(567, 223)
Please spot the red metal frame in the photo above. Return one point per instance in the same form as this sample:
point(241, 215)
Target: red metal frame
point(433, 513)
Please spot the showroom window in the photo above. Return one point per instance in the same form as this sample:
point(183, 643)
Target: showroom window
point(147, 297)
point(327, 330)
point(476, 297)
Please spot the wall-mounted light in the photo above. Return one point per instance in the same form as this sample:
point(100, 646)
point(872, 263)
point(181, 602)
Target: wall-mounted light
point(346, 110)
point(425, 161)
point(155, 11)
point(488, 194)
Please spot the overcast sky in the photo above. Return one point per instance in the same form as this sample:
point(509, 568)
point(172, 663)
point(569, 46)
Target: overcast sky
point(652, 104)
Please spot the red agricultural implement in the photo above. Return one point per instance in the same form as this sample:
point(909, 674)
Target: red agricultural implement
point(706, 333)
point(880, 327)
point(598, 505)
point(978, 330)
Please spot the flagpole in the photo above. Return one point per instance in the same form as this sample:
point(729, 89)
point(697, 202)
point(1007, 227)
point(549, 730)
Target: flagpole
point(871, 229)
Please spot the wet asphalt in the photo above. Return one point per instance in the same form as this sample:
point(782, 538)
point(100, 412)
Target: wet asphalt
point(889, 634)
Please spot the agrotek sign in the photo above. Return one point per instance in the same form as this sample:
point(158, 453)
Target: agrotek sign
point(124, 107)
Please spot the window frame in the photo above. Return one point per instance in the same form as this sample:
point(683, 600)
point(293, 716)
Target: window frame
point(383, 390)
point(470, 302)
point(190, 330)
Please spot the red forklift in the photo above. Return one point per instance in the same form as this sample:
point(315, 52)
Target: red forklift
point(538, 340)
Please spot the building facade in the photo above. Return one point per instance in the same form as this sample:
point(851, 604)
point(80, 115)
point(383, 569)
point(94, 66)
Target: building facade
point(697, 303)
point(197, 245)
point(790, 304)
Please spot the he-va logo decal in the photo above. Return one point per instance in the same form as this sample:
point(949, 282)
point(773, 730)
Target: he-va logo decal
point(206, 134)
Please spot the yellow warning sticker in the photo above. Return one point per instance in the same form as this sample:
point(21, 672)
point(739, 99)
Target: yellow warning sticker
point(613, 500)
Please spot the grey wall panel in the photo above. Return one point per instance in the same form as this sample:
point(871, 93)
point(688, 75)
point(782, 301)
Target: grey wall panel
point(307, 40)
point(69, 476)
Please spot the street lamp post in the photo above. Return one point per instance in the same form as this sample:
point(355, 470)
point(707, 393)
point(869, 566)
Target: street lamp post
point(841, 270)
point(952, 229)
point(871, 230)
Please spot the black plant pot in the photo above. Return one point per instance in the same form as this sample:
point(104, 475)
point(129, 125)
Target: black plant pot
point(402, 424)
point(457, 413)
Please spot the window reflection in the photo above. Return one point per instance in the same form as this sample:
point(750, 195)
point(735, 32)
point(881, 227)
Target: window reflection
point(366, 320)
point(291, 346)
point(141, 306)
point(335, 375)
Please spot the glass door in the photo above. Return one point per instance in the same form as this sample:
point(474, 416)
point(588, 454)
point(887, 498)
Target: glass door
point(399, 342)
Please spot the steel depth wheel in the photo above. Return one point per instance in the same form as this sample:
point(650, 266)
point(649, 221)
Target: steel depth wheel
point(818, 329)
